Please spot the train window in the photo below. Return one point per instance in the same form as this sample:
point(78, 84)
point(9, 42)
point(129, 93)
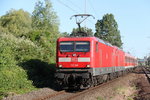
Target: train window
point(67, 46)
point(75, 46)
point(96, 46)
point(126, 59)
point(82, 46)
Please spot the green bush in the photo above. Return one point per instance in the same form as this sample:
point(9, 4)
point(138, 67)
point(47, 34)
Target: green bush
point(27, 49)
point(24, 66)
point(12, 77)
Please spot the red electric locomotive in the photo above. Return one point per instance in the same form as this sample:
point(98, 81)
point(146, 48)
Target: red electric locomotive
point(86, 61)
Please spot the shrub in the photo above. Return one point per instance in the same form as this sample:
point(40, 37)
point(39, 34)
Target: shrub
point(12, 77)
point(24, 65)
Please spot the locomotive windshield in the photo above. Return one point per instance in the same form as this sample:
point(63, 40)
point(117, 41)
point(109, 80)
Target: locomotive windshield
point(82, 46)
point(76, 46)
point(67, 46)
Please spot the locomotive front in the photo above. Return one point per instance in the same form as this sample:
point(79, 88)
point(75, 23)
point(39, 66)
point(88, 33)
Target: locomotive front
point(73, 62)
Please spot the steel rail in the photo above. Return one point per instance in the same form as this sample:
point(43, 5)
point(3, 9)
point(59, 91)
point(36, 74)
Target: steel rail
point(146, 70)
point(51, 95)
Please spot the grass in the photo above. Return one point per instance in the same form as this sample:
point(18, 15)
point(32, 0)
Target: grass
point(120, 90)
point(130, 98)
point(100, 98)
point(124, 91)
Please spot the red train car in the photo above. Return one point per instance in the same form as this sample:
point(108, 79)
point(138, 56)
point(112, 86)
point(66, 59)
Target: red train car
point(86, 61)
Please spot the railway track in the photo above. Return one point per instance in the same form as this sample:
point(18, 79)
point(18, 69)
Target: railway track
point(51, 95)
point(63, 95)
point(146, 70)
point(92, 89)
point(72, 96)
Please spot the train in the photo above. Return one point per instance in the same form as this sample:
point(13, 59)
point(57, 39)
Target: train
point(83, 62)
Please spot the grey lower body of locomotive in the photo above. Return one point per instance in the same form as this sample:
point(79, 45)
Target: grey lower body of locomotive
point(82, 78)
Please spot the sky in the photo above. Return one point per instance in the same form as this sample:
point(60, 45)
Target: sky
point(132, 16)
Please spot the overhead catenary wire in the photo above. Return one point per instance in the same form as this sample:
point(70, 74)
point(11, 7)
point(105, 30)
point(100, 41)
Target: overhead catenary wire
point(73, 10)
point(67, 6)
point(71, 7)
point(90, 3)
point(85, 11)
point(76, 6)
point(91, 21)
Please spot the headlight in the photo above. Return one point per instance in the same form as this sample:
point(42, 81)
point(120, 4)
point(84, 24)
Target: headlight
point(60, 66)
point(88, 66)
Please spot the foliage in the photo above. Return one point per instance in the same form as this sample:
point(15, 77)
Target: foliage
point(107, 29)
point(21, 61)
point(12, 77)
point(46, 41)
point(44, 18)
point(27, 49)
point(17, 22)
point(65, 34)
point(45, 28)
point(148, 61)
point(100, 98)
point(75, 31)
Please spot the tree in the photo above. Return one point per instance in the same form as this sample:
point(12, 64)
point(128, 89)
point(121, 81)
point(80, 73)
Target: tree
point(107, 29)
point(17, 22)
point(44, 18)
point(65, 34)
point(45, 26)
point(75, 31)
point(148, 61)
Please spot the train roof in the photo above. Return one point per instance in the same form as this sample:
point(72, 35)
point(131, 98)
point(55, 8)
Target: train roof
point(92, 37)
point(104, 42)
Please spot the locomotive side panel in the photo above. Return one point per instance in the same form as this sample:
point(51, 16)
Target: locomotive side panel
point(104, 59)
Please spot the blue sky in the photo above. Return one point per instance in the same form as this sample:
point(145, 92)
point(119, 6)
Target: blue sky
point(132, 16)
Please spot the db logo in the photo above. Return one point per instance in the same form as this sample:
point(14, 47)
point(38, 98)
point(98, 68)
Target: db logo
point(74, 59)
